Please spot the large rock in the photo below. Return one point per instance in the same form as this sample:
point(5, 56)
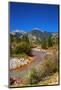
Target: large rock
point(15, 62)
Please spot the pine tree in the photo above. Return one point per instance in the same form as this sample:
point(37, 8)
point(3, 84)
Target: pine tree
point(50, 41)
point(44, 44)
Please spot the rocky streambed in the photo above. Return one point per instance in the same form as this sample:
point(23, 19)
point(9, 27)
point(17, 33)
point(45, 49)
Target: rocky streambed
point(25, 64)
point(15, 62)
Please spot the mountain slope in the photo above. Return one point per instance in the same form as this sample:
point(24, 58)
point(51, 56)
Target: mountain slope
point(40, 34)
point(34, 34)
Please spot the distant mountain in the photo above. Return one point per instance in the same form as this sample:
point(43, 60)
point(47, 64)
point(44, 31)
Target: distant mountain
point(39, 34)
point(18, 33)
point(34, 34)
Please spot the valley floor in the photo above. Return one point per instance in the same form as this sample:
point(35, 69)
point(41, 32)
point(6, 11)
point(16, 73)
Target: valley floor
point(19, 74)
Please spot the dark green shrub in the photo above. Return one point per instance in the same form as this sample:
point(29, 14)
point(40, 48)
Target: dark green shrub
point(23, 47)
point(19, 45)
point(33, 76)
point(44, 44)
point(50, 41)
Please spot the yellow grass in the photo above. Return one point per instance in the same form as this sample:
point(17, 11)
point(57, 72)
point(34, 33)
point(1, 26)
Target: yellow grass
point(52, 80)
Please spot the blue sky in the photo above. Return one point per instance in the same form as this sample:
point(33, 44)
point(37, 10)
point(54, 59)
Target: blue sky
point(25, 17)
